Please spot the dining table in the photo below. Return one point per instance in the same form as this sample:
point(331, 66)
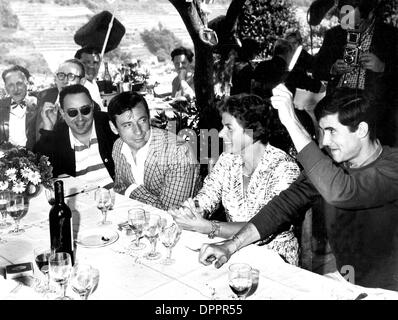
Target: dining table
point(125, 274)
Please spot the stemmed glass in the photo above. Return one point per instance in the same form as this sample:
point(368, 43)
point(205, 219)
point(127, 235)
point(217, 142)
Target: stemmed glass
point(42, 255)
point(4, 200)
point(136, 221)
point(60, 266)
point(82, 280)
point(17, 208)
point(151, 231)
point(104, 202)
point(240, 279)
point(50, 195)
point(169, 235)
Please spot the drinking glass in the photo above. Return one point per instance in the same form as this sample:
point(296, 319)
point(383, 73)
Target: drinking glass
point(50, 195)
point(42, 255)
point(240, 279)
point(17, 208)
point(136, 221)
point(151, 231)
point(60, 266)
point(82, 280)
point(104, 201)
point(169, 235)
point(4, 200)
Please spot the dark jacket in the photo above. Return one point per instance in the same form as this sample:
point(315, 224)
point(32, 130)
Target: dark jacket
point(30, 122)
point(56, 145)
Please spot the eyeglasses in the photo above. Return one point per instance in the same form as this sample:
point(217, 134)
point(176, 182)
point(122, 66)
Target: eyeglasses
point(85, 110)
point(70, 76)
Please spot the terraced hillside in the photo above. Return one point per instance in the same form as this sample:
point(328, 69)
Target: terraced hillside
point(51, 27)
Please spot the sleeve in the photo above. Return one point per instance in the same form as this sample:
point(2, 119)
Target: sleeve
point(120, 170)
point(284, 175)
point(209, 196)
point(326, 57)
point(287, 208)
point(364, 188)
point(181, 174)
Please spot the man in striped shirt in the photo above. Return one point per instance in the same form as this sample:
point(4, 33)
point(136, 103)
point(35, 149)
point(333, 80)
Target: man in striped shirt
point(81, 145)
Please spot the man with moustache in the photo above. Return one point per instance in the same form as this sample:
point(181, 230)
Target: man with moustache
point(18, 112)
point(81, 145)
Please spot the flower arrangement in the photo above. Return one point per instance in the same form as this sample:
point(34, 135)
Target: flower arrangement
point(22, 171)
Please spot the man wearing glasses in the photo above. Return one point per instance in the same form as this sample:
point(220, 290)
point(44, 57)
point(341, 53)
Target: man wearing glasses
point(81, 145)
point(18, 112)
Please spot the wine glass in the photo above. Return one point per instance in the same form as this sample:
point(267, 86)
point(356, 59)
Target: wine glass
point(60, 266)
point(82, 280)
point(104, 201)
point(17, 208)
point(50, 195)
point(4, 200)
point(42, 255)
point(136, 221)
point(169, 235)
point(240, 279)
point(151, 231)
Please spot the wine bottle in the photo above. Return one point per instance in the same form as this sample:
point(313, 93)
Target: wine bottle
point(107, 79)
point(61, 228)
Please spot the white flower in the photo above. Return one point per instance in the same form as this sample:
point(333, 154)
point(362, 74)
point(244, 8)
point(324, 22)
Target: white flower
point(3, 185)
point(26, 172)
point(19, 187)
point(11, 174)
point(34, 177)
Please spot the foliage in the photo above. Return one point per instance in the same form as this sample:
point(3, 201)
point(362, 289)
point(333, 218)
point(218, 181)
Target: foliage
point(21, 168)
point(160, 42)
point(266, 21)
point(7, 17)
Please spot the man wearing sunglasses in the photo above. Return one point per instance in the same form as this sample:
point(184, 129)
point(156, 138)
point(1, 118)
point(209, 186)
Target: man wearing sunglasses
point(81, 145)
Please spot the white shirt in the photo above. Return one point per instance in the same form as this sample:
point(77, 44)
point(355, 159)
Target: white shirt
point(17, 130)
point(138, 166)
point(89, 164)
point(94, 92)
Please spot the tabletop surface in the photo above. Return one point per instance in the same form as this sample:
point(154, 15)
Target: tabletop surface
point(127, 275)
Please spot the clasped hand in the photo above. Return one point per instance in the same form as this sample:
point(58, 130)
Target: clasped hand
point(189, 217)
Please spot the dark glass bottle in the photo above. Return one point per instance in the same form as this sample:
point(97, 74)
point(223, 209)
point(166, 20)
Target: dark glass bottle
point(107, 79)
point(61, 232)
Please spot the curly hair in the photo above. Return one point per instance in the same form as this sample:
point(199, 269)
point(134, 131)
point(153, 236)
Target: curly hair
point(253, 112)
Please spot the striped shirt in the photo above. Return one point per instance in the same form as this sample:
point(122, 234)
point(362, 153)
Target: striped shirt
point(89, 165)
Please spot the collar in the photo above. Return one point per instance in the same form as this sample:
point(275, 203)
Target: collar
point(141, 153)
point(21, 104)
point(75, 142)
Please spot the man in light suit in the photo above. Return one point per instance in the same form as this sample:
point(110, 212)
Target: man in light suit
point(18, 112)
point(151, 165)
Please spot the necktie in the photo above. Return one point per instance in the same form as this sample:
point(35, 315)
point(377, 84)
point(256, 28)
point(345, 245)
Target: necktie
point(21, 104)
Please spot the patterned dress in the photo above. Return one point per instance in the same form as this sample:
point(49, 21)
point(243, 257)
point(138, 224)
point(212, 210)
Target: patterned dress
point(274, 173)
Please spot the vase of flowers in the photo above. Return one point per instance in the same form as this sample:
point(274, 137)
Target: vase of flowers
point(22, 171)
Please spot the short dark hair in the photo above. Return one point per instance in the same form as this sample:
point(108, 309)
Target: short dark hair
point(89, 50)
point(251, 112)
point(282, 47)
point(78, 63)
point(180, 51)
point(15, 68)
point(73, 89)
point(123, 102)
point(352, 107)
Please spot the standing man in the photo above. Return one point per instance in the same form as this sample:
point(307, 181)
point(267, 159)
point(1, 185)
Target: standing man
point(90, 58)
point(81, 145)
point(357, 184)
point(152, 165)
point(18, 112)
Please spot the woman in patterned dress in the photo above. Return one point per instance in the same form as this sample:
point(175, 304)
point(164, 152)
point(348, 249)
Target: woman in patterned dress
point(248, 174)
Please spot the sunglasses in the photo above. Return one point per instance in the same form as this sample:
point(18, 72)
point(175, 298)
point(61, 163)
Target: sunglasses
point(70, 76)
point(84, 111)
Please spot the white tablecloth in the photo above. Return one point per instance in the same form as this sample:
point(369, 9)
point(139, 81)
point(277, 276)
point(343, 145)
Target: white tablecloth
point(126, 275)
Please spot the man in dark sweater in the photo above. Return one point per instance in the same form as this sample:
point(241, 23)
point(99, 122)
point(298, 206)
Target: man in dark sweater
point(357, 184)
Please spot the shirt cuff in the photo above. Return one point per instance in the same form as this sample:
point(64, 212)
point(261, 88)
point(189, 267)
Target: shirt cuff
point(130, 189)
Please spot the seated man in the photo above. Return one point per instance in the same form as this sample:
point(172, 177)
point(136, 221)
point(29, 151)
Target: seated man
point(18, 112)
point(357, 184)
point(151, 165)
point(80, 146)
point(183, 85)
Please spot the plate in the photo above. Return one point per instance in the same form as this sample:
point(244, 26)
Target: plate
point(96, 238)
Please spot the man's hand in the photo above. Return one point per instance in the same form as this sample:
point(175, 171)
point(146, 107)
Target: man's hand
point(371, 62)
point(340, 67)
point(219, 253)
point(49, 115)
point(282, 100)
